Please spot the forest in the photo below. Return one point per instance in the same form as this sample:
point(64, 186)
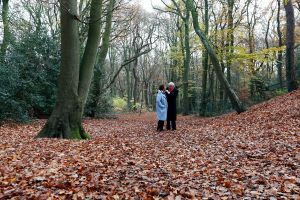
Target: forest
point(89, 70)
point(139, 50)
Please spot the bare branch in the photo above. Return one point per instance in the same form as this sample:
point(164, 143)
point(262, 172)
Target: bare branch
point(126, 62)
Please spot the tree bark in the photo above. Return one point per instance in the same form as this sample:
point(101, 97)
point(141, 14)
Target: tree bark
point(269, 68)
point(146, 96)
point(251, 22)
point(136, 83)
point(280, 43)
point(230, 38)
point(99, 71)
point(290, 42)
point(128, 88)
point(89, 55)
point(6, 32)
point(65, 120)
point(236, 103)
point(205, 64)
point(74, 80)
point(186, 64)
point(107, 32)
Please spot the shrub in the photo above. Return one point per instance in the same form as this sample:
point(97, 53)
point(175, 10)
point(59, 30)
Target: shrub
point(119, 104)
point(280, 91)
point(28, 77)
point(257, 88)
point(99, 105)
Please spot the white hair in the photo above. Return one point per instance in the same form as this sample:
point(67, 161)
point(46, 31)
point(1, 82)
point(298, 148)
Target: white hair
point(172, 84)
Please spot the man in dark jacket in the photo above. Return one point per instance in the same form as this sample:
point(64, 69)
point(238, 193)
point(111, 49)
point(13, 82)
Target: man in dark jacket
point(171, 94)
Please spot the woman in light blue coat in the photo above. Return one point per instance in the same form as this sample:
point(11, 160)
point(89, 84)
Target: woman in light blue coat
point(161, 107)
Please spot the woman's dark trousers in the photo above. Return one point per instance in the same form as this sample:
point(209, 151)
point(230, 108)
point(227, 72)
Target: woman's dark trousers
point(160, 125)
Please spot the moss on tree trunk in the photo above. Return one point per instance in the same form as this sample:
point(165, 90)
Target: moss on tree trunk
point(62, 128)
point(65, 122)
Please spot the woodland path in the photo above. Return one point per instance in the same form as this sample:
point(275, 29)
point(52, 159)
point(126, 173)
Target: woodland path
point(254, 155)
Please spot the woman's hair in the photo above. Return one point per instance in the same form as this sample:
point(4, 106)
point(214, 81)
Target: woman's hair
point(161, 87)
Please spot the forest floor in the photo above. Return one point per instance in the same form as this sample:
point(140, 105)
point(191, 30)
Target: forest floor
point(254, 155)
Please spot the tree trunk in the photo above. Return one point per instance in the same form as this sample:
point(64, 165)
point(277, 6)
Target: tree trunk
point(186, 64)
point(251, 22)
point(230, 38)
point(298, 61)
point(280, 43)
point(290, 42)
point(89, 56)
point(128, 89)
point(107, 32)
point(6, 32)
point(136, 83)
point(65, 120)
point(205, 65)
point(146, 86)
point(269, 71)
point(220, 90)
point(74, 80)
point(99, 71)
point(237, 105)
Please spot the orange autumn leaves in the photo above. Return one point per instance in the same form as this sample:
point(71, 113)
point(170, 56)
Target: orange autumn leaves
point(252, 155)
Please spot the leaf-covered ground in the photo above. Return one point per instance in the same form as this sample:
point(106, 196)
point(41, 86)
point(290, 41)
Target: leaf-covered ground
point(254, 155)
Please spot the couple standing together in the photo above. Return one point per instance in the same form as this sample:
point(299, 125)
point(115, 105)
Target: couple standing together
point(166, 106)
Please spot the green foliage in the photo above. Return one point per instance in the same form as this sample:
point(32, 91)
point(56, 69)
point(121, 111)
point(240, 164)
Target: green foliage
point(28, 77)
point(280, 91)
point(285, 2)
point(99, 105)
point(119, 104)
point(245, 59)
point(257, 88)
point(136, 106)
point(241, 55)
point(175, 54)
point(99, 102)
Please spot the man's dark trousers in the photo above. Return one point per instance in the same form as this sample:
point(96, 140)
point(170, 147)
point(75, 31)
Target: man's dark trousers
point(171, 123)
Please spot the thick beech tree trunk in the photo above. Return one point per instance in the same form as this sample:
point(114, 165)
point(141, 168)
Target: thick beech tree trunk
point(75, 78)
point(236, 103)
point(290, 43)
point(99, 71)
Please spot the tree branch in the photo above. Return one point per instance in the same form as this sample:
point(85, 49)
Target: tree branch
point(126, 62)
